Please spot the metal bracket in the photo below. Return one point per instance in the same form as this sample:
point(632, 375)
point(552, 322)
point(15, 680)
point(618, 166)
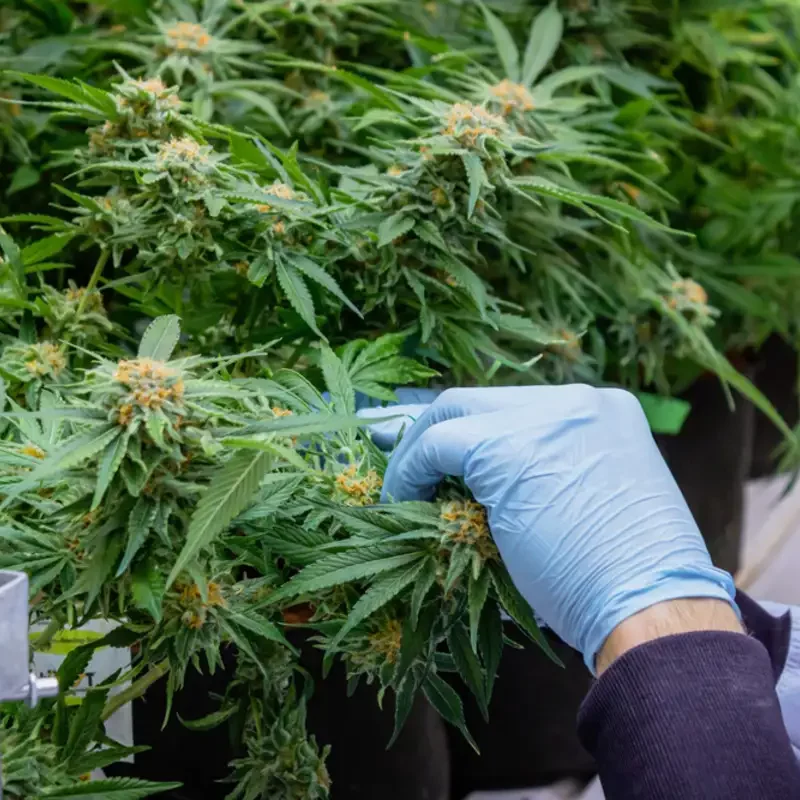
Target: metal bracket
point(17, 682)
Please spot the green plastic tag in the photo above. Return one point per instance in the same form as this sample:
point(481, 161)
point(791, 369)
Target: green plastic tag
point(665, 414)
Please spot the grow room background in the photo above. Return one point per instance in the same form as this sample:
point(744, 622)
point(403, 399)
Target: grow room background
point(226, 228)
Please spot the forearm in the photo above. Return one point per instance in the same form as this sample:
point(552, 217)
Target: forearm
point(687, 714)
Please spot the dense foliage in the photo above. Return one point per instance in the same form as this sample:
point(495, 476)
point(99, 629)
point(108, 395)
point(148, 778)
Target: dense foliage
point(230, 224)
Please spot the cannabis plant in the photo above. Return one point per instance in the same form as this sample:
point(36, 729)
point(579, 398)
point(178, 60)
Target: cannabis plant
point(56, 751)
point(230, 224)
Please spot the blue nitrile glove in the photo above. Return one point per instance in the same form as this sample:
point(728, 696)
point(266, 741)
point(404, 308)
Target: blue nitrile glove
point(585, 513)
point(412, 403)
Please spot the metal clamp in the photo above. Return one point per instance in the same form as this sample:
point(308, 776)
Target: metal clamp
point(17, 682)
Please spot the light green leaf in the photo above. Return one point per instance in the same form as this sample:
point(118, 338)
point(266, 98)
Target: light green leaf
point(147, 588)
point(262, 102)
point(45, 248)
point(263, 628)
point(504, 42)
point(139, 523)
point(429, 233)
point(460, 559)
point(318, 275)
point(74, 451)
point(393, 228)
point(545, 36)
point(303, 424)
point(377, 116)
point(344, 568)
point(468, 281)
point(109, 789)
point(584, 200)
point(337, 382)
point(296, 291)
point(210, 720)
point(160, 338)
point(109, 464)
point(84, 727)
point(24, 177)
point(228, 493)
point(476, 177)
point(260, 269)
point(664, 414)
point(76, 91)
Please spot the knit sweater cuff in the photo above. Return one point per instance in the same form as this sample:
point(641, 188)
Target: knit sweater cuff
point(690, 716)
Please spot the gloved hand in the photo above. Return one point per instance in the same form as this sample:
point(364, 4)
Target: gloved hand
point(587, 517)
point(412, 404)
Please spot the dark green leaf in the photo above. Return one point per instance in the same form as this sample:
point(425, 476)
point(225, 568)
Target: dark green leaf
point(444, 699)
point(468, 666)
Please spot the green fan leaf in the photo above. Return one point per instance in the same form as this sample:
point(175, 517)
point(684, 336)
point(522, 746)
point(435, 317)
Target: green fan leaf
point(504, 42)
point(490, 643)
point(147, 588)
point(477, 593)
point(518, 609)
point(228, 494)
point(110, 789)
point(476, 177)
point(318, 275)
point(296, 291)
point(81, 93)
point(377, 596)
point(338, 382)
point(403, 703)
point(210, 721)
point(140, 521)
point(545, 36)
point(468, 666)
point(74, 451)
point(393, 228)
point(160, 338)
point(109, 464)
point(328, 571)
point(444, 699)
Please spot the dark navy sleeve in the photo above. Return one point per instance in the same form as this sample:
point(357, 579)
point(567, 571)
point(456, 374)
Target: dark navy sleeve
point(691, 717)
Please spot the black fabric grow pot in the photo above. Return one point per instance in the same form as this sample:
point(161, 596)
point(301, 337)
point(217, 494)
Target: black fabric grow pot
point(530, 739)
point(775, 375)
point(710, 460)
point(361, 768)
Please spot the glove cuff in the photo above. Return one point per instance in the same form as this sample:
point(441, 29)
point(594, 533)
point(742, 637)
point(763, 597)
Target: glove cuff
point(692, 582)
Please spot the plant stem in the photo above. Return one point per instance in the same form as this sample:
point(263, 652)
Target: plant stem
point(43, 640)
point(98, 270)
point(136, 689)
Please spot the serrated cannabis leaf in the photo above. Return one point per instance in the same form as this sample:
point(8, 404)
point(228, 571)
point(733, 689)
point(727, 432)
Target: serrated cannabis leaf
point(344, 568)
point(377, 596)
point(543, 42)
point(393, 228)
point(444, 699)
point(293, 285)
point(229, 493)
point(504, 42)
point(160, 338)
point(518, 609)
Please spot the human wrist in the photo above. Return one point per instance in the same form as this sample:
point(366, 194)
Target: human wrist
point(667, 618)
